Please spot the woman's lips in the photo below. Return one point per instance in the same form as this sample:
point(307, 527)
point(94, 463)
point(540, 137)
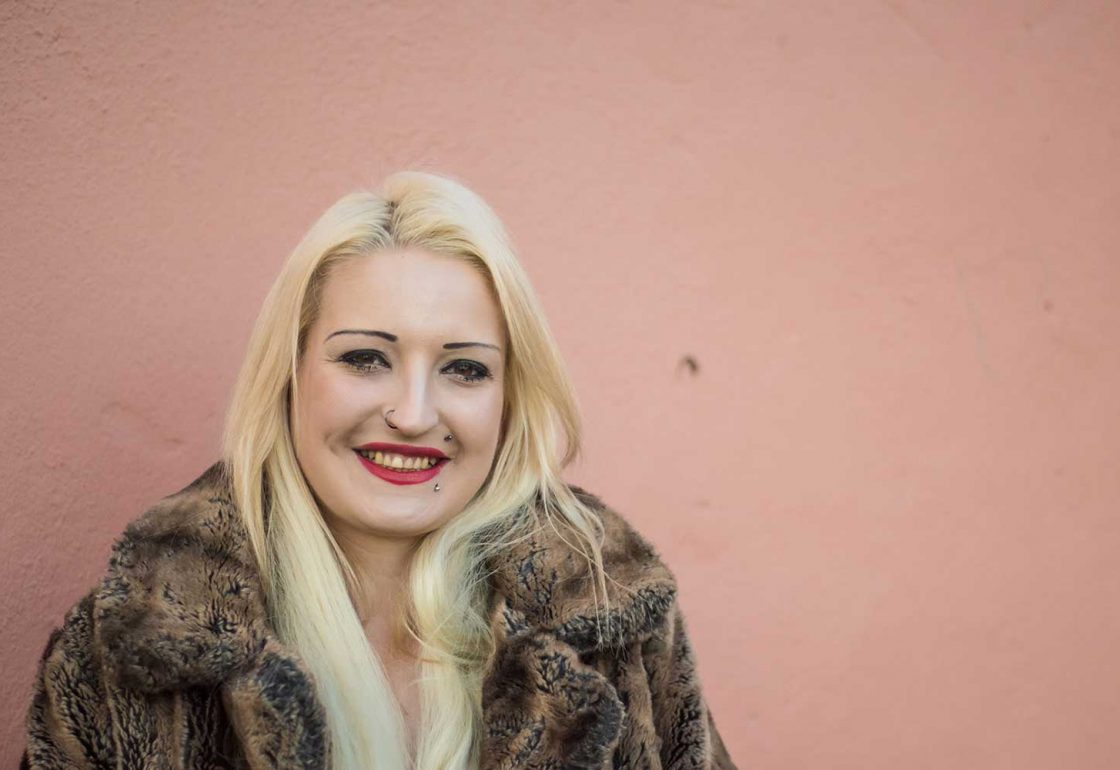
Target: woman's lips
point(400, 477)
point(408, 450)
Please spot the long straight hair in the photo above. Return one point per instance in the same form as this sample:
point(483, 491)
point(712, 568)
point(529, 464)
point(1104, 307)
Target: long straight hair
point(309, 584)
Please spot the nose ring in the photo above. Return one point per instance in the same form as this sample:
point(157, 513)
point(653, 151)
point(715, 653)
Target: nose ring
point(448, 437)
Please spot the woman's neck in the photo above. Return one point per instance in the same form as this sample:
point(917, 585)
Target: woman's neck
point(381, 567)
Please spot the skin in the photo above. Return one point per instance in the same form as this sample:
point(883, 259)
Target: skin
point(347, 382)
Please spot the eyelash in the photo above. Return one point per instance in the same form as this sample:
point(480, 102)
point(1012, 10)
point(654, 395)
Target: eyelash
point(351, 360)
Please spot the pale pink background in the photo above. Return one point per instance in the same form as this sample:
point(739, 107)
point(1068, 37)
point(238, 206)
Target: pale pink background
point(887, 232)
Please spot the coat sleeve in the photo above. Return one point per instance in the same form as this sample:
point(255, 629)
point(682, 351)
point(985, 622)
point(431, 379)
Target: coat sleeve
point(684, 723)
point(68, 722)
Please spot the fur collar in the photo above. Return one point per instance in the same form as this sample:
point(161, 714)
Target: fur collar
point(182, 603)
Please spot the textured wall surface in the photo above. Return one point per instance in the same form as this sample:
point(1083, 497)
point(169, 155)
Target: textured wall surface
point(838, 284)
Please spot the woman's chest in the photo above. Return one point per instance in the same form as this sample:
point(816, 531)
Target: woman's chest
point(542, 708)
point(404, 681)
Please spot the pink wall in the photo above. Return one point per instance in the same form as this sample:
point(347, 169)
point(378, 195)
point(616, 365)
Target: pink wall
point(886, 231)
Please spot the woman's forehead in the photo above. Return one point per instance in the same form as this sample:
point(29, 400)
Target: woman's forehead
point(412, 294)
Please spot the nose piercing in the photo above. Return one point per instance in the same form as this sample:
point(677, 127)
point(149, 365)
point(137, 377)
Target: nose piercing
point(448, 437)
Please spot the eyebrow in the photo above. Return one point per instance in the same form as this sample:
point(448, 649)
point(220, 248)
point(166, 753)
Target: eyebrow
point(394, 338)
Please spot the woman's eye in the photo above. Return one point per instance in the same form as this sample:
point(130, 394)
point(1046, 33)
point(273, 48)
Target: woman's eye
point(468, 371)
point(372, 360)
point(363, 360)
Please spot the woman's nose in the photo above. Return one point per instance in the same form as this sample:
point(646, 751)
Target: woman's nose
point(414, 409)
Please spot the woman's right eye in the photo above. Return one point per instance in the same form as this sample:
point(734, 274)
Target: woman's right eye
point(363, 360)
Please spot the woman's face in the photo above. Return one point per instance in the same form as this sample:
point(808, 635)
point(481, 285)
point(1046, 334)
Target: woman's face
point(420, 334)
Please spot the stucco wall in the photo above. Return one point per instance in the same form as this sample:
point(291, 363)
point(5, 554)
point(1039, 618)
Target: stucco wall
point(885, 232)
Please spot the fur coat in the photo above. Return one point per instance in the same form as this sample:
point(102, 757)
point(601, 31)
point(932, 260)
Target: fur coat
point(170, 662)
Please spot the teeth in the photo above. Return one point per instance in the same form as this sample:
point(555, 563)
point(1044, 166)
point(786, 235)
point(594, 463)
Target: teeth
point(399, 462)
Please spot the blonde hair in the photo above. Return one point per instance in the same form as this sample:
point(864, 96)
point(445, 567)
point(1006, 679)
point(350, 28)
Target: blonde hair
point(308, 581)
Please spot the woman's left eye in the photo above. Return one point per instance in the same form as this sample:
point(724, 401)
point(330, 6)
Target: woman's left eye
point(468, 371)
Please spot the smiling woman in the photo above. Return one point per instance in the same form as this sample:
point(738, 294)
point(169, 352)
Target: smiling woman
point(388, 342)
point(385, 569)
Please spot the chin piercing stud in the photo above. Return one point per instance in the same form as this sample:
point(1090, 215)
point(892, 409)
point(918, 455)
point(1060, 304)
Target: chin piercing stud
point(437, 486)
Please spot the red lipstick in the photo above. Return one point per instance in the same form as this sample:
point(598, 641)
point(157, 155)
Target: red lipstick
point(394, 476)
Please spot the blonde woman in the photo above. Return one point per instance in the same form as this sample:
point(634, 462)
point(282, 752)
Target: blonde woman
point(385, 570)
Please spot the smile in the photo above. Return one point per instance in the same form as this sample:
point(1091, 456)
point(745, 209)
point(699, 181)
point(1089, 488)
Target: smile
point(400, 469)
point(398, 462)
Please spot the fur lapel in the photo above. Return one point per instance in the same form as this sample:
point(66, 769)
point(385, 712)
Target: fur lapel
point(182, 606)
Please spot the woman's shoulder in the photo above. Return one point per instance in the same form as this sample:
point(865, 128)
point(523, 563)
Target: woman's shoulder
point(626, 551)
point(192, 511)
point(180, 603)
point(546, 582)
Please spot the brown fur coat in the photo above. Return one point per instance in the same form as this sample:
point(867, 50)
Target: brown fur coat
point(170, 662)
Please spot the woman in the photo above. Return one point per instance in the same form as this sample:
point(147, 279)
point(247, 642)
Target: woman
point(385, 570)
